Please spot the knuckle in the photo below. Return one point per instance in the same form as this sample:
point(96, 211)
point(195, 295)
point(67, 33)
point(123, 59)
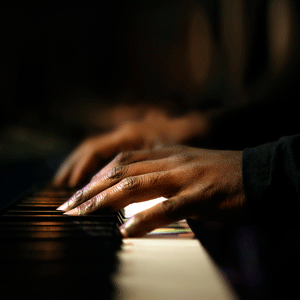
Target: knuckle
point(86, 207)
point(116, 172)
point(91, 205)
point(130, 183)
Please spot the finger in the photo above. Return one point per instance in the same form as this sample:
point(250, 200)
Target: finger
point(84, 166)
point(125, 158)
point(116, 171)
point(160, 215)
point(129, 190)
point(129, 157)
point(62, 176)
point(112, 177)
point(80, 162)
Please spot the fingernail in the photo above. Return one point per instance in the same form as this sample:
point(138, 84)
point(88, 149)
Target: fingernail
point(72, 212)
point(63, 206)
point(68, 204)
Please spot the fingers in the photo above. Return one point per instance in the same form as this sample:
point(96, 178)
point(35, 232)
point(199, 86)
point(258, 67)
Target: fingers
point(129, 190)
point(196, 183)
point(61, 178)
point(87, 156)
point(110, 178)
point(75, 169)
point(84, 166)
point(130, 157)
point(119, 169)
point(84, 160)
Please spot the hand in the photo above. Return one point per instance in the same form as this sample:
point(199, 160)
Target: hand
point(86, 158)
point(155, 130)
point(197, 183)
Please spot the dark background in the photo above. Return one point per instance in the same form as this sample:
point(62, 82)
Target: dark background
point(63, 66)
point(56, 58)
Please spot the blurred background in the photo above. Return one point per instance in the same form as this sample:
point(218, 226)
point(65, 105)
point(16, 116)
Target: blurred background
point(65, 68)
point(70, 71)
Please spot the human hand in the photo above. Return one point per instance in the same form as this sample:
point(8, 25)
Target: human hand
point(201, 184)
point(85, 159)
point(155, 130)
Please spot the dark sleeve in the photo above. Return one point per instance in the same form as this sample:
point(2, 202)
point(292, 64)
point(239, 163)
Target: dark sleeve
point(271, 177)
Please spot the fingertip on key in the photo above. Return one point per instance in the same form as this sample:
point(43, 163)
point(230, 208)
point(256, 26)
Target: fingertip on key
point(71, 202)
point(124, 233)
point(63, 207)
point(72, 212)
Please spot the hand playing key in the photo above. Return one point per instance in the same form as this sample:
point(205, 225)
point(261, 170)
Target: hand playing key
point(202, 184)
point(155, 130)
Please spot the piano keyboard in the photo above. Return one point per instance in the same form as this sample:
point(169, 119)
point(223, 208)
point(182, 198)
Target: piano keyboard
point(45, 254)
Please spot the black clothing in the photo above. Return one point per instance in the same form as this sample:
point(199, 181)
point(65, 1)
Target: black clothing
point(260, 253)
point(271, 177)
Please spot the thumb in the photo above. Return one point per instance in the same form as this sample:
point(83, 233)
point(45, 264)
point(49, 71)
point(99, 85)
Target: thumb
point(162, 214)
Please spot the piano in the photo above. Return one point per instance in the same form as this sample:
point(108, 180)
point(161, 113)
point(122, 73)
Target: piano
point(47, 255)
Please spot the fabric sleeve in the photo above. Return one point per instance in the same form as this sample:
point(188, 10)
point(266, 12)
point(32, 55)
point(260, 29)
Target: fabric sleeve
point(271, 178)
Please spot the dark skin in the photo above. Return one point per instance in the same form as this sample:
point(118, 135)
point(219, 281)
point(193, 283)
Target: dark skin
point(155, 130)
point(198, 184)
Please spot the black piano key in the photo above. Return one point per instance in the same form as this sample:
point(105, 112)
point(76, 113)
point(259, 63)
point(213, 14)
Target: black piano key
point(33, 228)
point(42, 249)
point(44, 210)
point(76, 234)
point(33, 212)
point(56, 226)
point(44, 200)
point(54, 193)
point(121, 213)
point(27, 222)
point(39, 206)
point(53, 228)
point(60, 218)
